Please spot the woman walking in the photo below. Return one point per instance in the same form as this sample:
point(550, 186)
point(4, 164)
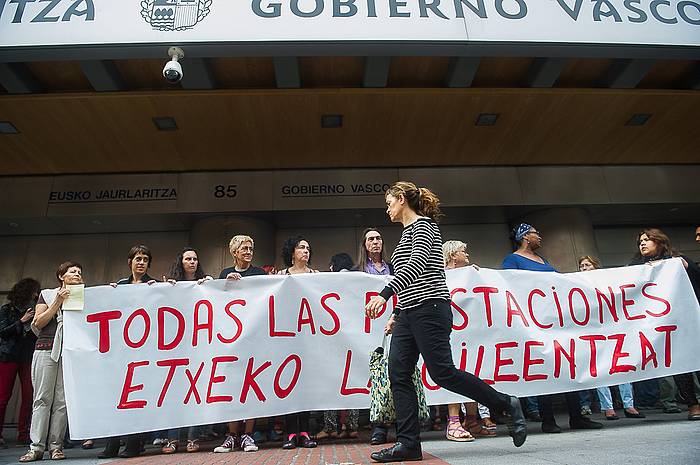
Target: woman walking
point(422, 323)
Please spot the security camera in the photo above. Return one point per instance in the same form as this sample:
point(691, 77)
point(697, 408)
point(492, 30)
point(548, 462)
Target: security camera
point(172, 72)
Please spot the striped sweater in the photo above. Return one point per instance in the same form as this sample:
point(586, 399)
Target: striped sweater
point(419, 271)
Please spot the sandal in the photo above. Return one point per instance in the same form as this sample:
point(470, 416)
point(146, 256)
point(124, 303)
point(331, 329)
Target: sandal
point(455, 432)
point(477, 429)
point(32, 456)
point(488, 423)
point(170, 447)
point(88, 444)
point(57, 454)
point(325, 435)
point(192, 445)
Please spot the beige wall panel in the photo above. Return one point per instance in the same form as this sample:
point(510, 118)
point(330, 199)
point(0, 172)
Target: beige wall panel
point(220, 192)
point(561, 185)
point(468, 186)
point(634, 184)
point(113, 194)
point(324, 189)
point(47, 252)
point(487, 244)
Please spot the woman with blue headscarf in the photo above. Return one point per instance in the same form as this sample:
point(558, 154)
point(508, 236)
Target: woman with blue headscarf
point(528, 240)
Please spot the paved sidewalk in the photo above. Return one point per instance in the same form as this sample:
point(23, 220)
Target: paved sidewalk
point(660, 438)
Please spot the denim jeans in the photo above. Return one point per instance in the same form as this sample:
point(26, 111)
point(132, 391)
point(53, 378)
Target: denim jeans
point(605, 397)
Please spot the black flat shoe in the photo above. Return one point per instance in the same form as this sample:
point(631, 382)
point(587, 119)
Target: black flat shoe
point(634, 415)
point(612, 417)
point(127, 454)
point(584, 423)
point(291, 443)
point(517, 427)
point(307, 442)
point(397, 453)
point(378, 438)
point(550, 427)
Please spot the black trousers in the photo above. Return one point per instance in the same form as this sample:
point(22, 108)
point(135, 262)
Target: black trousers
point(297, 422)
point(425, 330)
point(573, 405)
point(686, 387)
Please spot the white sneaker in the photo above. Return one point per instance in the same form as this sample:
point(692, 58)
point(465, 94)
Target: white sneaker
point(248, 444)
point(227, 446)
point(160, 441)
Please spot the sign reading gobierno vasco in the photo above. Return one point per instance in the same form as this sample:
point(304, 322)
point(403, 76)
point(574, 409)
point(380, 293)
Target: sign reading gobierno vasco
point(143, 358)
point(83, 22)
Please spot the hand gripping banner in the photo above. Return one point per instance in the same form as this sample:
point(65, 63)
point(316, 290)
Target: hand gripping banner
point(143, 358)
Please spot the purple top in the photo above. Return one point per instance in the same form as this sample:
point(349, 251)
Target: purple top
point(371, 269)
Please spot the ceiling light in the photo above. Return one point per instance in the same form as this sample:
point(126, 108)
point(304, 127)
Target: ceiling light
point(487, 119)
point(13, 224)
point(165, 123)
point(638, 119)
point(332, 121)
point(8, 128)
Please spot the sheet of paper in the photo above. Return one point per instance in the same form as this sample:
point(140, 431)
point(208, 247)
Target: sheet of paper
point(76, 298)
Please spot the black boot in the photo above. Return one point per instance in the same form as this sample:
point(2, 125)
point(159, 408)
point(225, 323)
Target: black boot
point(133, 446)
point(111, 449)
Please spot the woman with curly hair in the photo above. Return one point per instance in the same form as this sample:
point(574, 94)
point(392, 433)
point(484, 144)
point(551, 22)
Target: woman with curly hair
point(16, 350)
point(296, 254)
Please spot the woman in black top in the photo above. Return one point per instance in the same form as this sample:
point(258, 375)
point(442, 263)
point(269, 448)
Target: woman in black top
point(654, 245)
point(422, 322)
point(16, 349)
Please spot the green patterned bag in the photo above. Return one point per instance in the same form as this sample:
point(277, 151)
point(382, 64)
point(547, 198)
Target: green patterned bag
point(382, 409)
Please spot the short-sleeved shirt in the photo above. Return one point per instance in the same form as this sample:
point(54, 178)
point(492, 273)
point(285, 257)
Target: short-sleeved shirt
point(251, 271)
point(515, 261)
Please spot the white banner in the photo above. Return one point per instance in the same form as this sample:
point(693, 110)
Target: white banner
point(81, 22)
point(143, 358)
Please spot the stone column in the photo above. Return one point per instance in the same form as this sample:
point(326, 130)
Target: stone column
point(567, 234)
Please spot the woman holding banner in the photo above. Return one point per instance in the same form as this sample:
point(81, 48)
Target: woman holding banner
point(456, 256)
point(528, 240)
point(296, 253)
point(589, 263)
point(655, 245)
point(241, 248)
point(422, 322)
point(186, 268)
point(49, 418)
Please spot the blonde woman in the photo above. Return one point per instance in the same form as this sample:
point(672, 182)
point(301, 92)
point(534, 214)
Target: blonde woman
point(456, 256)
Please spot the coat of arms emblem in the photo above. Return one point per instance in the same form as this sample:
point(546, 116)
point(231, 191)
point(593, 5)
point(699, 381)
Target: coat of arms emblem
point(174, 15)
